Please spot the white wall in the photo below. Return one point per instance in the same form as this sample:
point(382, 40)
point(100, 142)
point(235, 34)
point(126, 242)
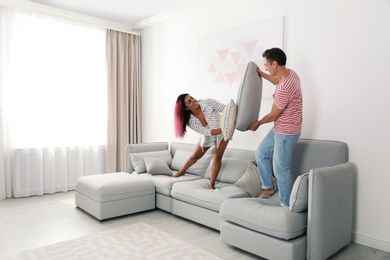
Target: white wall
point(340, 49)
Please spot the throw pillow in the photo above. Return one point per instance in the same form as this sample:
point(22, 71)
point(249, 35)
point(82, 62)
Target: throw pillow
point(157, 166)
point(299, 194)
point(250, 181)
point(137, 159)
point(249, 98)
point(199, 168)
point(227, 120)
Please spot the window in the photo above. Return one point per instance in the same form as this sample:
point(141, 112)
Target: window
point(56, 90)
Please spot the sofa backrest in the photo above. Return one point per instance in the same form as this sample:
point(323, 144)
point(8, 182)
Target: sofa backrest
point(240, 154)
point(311, 153)
point(141, 148)
point(229, 152)
point(175, 146)
point(307, 154)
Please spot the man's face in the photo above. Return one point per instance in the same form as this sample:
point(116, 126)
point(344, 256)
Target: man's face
point(270, 67)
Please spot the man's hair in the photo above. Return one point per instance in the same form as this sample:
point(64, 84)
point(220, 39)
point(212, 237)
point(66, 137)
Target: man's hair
point(275, 54)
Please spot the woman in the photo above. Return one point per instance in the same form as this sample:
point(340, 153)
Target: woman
point(204, 117)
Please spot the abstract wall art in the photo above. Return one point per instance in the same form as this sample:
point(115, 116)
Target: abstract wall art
point(224, 55)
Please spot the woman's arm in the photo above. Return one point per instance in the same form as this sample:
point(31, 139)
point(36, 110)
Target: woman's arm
point(216, 131)
point(203, 130)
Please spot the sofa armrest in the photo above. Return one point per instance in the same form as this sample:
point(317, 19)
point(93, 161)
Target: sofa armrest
point(330, 210)
point(142, 148)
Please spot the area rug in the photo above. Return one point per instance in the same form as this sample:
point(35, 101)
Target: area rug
point(136, 241)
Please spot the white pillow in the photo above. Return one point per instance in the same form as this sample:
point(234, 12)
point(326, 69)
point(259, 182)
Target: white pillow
point(137, 159)
point(199, 168)
point(157, 166)
point(227, 120)
point(299, 194)
point(250, 181)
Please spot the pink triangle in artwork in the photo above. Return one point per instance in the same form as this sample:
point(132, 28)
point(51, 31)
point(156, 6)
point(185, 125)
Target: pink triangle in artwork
point(235, 56)
point(231, 77)
point(250, 46)
point(219, 78)
point(212, 68)
point(222, 54)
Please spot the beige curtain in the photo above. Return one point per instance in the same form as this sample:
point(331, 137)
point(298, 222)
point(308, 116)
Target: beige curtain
point(124, 96)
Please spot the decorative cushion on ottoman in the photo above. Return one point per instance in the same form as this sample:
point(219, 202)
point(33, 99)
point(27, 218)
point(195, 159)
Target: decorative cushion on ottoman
point(114, 194)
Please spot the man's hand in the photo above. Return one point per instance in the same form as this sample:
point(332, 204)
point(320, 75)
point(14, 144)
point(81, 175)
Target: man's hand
point(259, 72)
point(272, 79)
point(272, 116)
point(254, 126)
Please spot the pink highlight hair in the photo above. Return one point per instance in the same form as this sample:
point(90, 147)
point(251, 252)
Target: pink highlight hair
point(181, 116)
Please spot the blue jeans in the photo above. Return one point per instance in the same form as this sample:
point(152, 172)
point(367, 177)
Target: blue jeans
point(275, 150)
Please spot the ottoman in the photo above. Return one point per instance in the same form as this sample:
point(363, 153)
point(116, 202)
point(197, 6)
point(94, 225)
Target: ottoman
point(114, 194)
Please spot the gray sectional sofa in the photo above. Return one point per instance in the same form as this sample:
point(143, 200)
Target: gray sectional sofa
point(317, 224)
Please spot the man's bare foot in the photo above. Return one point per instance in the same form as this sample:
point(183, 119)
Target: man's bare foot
point(264, 194)
point(177, 175)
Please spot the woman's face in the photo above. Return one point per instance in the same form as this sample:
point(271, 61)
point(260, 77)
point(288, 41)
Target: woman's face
point(190, 103)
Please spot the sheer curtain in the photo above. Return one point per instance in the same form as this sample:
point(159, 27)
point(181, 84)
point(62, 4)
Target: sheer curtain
point(53, 103)
point(124, 96)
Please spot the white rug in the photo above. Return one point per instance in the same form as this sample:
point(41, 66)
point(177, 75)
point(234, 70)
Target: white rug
point(136, 241)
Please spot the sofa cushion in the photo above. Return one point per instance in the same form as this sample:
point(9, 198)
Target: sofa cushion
point(116, 186)
point(198, 193)
point(199, 168)
point(137, 159)
point(228, 119)
point(250, 181)
point(299, 194)
point(164, 183)
point(262, 216)
point(157, 166)
point(249, 98)
point(231, 170)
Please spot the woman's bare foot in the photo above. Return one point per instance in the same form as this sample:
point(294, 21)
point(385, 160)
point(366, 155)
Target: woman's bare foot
point(177, 175)
point(264, 194)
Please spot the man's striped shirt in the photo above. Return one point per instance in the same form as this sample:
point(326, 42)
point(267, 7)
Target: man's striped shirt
point(288, 96)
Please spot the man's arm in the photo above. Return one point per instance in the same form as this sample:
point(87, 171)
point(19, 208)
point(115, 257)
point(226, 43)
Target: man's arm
point(270, 117)
point(273, 80)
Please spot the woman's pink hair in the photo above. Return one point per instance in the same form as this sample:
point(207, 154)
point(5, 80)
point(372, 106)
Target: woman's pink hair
point(181, 116)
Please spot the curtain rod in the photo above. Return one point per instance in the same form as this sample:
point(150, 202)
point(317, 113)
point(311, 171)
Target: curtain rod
point(64, 14)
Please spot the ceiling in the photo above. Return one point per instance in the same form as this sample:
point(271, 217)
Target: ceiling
point(134, 13)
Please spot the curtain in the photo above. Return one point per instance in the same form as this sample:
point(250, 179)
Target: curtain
point(53, 103)
point(124, 96)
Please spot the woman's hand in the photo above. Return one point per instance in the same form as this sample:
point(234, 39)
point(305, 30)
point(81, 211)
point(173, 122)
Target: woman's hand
point(216, 131)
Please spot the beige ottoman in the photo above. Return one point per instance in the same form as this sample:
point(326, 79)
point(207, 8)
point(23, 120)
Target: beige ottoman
point(114, 194)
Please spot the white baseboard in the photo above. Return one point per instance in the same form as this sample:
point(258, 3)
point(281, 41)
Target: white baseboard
point(371, 242)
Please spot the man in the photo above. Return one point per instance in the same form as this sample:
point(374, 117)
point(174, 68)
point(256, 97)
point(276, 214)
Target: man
point(286, 113)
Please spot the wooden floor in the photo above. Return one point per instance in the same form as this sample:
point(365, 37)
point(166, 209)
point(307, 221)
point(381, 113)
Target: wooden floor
point(32, 222)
